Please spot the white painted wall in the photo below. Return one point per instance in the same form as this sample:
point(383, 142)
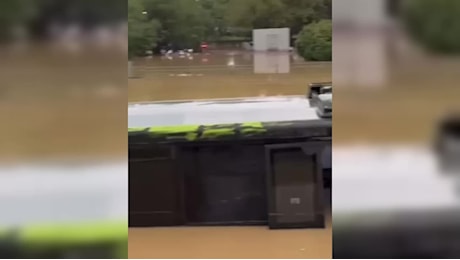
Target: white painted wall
point(277, 39)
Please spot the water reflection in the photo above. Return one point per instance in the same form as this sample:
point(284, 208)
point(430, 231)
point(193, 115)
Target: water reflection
point(272, 62)
point(231, 61)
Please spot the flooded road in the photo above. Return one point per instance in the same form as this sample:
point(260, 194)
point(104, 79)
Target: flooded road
point(230, 242)
point(61, 106)
point(226, 74)
point(223, 75)
point(405, 110)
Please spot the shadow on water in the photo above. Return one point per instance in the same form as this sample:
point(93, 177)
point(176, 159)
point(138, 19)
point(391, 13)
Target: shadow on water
point(223, 74)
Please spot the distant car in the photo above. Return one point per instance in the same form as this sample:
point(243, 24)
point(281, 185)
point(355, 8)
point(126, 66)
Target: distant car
point(324, 105)
point(320, 96)
point(319, 88)
point(447, 143)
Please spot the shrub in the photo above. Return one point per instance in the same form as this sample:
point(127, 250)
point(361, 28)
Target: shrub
point(314, 42)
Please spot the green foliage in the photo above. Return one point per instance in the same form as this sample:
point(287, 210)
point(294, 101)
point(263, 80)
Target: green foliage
point(84, 11)
point(36, 15)
point(314, 42)
point(216, 11)
point(185, 23)
point(142, 31)
point(278, 13)
point(434, 24)
point(14, 13)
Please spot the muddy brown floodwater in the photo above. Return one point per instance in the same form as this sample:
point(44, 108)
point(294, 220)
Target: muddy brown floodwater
point(61, 107)
point(226, 75)
point(229, 242)
point(223, 75)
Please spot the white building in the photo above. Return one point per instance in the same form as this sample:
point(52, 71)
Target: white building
point(272, 39)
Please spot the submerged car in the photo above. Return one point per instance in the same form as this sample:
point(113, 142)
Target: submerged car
point(320, 96)
point(318, 88)
point(447, 143)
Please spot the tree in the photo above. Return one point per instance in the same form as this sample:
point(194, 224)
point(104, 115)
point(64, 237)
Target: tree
point(434, 24)
point(255, 13)
point(299, 13)
point(216, 13)
point(277, 13)
point(184, 23)
point(142, 31)
point(15, 13)
point(314, 42)
point(37, 15)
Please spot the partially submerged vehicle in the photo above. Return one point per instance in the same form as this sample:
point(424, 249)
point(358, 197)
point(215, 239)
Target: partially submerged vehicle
point(447, 143)
point(228, 162)
point(315, 89)
point(320, 96)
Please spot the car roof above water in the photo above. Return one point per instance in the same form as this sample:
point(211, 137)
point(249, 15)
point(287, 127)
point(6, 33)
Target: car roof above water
point(224, 111)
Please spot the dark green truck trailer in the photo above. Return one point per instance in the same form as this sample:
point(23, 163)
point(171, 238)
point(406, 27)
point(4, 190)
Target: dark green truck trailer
point(228, 162)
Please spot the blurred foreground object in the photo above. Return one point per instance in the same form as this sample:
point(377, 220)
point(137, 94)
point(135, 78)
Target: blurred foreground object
point(64, 211)
point(394, 204)
point(448, 143)
point(391, 198)
point(104, 240)
point(433, 24)
point(63, 75)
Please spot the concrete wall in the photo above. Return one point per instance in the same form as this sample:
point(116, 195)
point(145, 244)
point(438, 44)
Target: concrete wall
point(273, 39)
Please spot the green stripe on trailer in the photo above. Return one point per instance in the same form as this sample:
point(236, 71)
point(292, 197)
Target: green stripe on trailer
point(195, 132)
point(137, 129)
point(190, 132)
point(250, 128)
point(173, 129)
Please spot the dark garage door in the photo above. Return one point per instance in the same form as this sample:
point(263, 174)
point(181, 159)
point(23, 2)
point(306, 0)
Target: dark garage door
point(225, 184)
point(153, 188)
